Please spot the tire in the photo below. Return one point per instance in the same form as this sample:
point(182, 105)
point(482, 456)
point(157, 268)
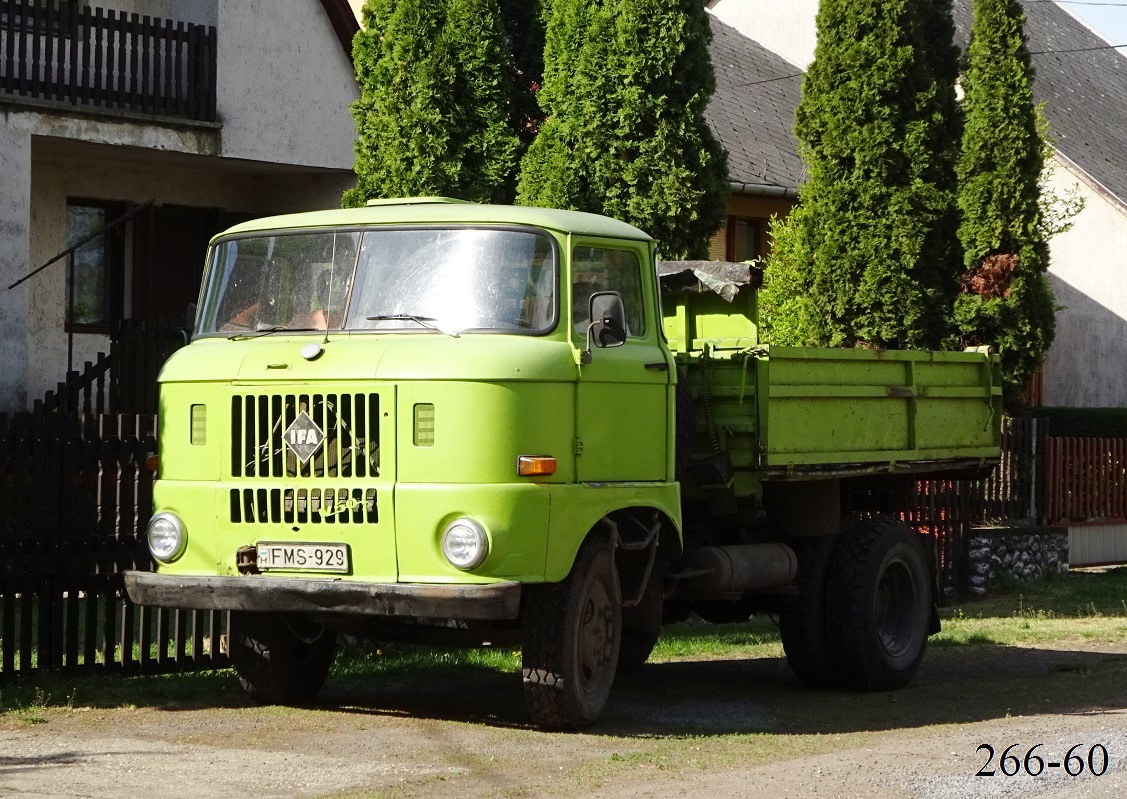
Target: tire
point(572, 636)
point(879, 605)
point(641, 626)
point(802, 621)
point(280, 659)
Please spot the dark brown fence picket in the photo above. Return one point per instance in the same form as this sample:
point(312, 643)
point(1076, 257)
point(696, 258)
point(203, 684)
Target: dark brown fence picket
point(78, 496)
point(69, 53)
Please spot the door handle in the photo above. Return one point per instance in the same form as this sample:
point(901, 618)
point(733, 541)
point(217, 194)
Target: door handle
point(661, 366)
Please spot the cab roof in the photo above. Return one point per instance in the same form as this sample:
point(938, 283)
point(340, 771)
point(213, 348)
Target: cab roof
point(442, 210)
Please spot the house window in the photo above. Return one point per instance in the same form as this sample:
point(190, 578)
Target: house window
point(93, 298)
point(743, 238)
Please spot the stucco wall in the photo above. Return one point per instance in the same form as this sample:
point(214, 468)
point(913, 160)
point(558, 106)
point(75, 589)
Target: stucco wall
point(284, 81)
point(784, 26)
point(285, 84)
point(15, 168)
point(1087, 365)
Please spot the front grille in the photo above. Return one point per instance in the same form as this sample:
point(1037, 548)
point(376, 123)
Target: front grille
point(304, 506)
point(349, 422)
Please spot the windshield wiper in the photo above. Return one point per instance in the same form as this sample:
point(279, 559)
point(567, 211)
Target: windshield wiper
point(265, 331)
point(428, 322)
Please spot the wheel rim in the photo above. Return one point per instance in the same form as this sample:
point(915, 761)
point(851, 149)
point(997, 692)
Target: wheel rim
point(896, 602)
point(595, 644)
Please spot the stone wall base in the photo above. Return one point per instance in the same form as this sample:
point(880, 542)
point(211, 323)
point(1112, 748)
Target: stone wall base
point(1014, 554)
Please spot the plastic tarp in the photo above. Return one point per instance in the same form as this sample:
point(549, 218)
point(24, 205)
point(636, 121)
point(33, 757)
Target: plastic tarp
point(723, 277)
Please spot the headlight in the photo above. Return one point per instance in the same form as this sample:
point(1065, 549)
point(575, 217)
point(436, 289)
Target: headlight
point(465, 544)
point(167, 536)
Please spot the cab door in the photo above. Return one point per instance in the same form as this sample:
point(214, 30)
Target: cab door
point(623, 402)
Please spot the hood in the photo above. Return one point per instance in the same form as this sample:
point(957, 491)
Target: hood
point(348, 357)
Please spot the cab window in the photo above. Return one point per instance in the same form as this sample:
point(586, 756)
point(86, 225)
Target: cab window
point(607, 269)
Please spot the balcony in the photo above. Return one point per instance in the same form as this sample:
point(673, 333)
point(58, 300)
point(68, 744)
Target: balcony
point(61, 54)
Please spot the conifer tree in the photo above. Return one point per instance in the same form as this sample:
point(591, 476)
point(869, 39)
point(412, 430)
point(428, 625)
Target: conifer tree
point(1006, 300)
point(435, 108)
point(626, 83)
point(870, 255)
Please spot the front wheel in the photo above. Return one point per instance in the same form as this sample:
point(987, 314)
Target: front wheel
point(878, 605)
point(281, 659)
point(641, 626)
point(572, 634)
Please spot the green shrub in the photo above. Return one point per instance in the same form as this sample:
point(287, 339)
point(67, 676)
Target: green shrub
point(625, 86)
point(435, 109)
point(1084, 422)
point(1006, 301)
point(870, 256)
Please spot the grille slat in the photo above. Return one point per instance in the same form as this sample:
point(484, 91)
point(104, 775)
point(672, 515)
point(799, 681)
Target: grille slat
point(349, 423)
point(330, 506)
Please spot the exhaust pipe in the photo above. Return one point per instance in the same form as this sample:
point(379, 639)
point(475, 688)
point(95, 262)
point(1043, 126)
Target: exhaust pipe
point(740, 568)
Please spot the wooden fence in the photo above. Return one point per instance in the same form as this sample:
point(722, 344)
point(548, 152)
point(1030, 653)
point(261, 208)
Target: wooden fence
point(1015, 490)
point(1086, 480)
point(138, 349)
point(77, 498)
point(125, 381)
point(939, 509)
point(1012, 495)
point(66, 53)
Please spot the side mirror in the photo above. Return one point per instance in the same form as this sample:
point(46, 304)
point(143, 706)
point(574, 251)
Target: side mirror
point(608, 322)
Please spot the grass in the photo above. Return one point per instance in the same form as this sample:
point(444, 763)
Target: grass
point(1077, 608)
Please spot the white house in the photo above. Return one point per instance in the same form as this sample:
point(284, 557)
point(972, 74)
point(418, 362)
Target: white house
point(1084, 89)
point(215, 110)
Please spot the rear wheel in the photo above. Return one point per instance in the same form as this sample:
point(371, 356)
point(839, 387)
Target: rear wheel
point(572, 633)
point(802, 621)
point(880, 605)
point(281, 659)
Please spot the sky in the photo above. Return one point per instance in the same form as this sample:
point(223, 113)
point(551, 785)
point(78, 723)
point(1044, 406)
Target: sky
point(1109, 17)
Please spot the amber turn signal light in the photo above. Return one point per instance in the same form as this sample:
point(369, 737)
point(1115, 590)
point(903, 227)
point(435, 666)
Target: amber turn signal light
point(534, 465)
point(152, 463)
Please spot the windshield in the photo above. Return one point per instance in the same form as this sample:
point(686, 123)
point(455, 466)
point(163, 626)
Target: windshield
point(416, 279)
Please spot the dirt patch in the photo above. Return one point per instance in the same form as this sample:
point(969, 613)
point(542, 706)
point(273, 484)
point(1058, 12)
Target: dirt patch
point(731, 728)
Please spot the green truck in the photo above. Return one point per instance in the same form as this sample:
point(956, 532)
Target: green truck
point(441, 422)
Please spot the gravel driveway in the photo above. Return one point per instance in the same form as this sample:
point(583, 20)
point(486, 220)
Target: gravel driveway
point(715, 729)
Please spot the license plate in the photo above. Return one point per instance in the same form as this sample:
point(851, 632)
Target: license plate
point(303, 557)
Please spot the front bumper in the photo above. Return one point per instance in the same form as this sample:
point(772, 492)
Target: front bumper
point(493, 601)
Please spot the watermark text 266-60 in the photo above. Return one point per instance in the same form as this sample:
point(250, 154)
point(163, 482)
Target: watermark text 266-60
point(1095, 760)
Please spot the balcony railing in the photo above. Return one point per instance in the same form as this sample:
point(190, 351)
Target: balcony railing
point(55, 53)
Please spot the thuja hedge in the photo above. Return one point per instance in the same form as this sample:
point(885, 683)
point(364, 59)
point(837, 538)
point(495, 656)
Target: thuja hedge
point(1084, 422)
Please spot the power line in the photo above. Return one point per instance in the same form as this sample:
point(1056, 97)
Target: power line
point(1079, 3)
point(768, 80)
point(1031, 52)
point(1079, 49)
